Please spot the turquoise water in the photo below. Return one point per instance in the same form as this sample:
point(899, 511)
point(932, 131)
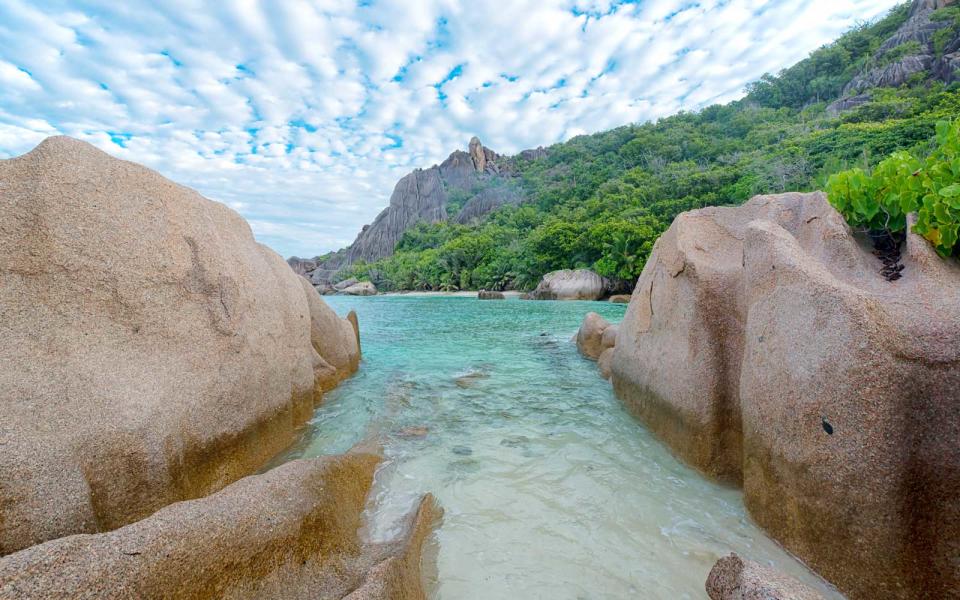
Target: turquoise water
point(550, 489)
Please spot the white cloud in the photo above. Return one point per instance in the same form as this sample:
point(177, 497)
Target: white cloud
point(301, 114)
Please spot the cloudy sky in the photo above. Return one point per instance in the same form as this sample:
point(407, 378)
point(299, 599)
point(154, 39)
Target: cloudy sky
point(302, 114)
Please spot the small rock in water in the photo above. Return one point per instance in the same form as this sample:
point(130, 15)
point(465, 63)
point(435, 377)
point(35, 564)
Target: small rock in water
point(514, 440)
point(414, 432)
point(462, 450)
point(470, 379)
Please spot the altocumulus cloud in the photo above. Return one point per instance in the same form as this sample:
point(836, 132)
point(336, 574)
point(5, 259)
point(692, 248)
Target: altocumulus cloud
point(302, 114)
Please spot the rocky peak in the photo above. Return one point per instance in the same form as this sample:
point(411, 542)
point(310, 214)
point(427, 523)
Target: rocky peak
point(920, 6)
point(920, 31)
point(477, 154)
point(479, 174)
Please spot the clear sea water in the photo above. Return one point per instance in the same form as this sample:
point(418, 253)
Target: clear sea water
point(550, 488)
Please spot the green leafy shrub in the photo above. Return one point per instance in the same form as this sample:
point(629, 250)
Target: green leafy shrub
point(901, 184)
point(938, 215)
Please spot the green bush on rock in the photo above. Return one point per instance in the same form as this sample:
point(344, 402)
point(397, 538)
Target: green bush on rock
point(902, 184)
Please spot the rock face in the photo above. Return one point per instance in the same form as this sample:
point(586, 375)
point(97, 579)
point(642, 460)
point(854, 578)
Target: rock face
point(888, 72)
point(568, 284)
point(480, 176)
point(596, 339)
point(301, 266)
point(361, 288)
point(422, 197)
point(289, 533)
point(765, 348)
point(487, 201)
point(590, 335)
point(733, 578)
point(488, 295)
point(152, 351)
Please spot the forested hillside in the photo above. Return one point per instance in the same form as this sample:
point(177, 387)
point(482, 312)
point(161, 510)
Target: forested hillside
point(600, 201)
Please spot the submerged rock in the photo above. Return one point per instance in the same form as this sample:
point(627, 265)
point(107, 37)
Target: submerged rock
point(289, 533)
point(733, 578)
point(488, 295)
point(765, 348)
point(579, 284)
point(152, 350)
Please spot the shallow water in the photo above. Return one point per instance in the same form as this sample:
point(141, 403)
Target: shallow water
point(550, 488)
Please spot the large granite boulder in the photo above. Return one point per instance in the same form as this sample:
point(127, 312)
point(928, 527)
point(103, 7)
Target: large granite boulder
point(764, 346)
point(152, 350)
point(289, 533)
point(733, 578)
point(569, 284)
point(361, 288)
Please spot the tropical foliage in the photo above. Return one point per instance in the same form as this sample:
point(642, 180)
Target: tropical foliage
point(903, 184)
point(600, 201)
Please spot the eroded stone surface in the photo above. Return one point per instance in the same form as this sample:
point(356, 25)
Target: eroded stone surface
point(289, 533)
point(570, 284)
point(152, 350)
point(763, 345)
point(733, 578)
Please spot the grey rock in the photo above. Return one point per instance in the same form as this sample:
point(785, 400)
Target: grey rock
point(489, 295)
point(568, 284)
point(422, 197)
point(487, 201)
point(342, 285)
point(847, 104)
point(301, 266)
point(363, 288)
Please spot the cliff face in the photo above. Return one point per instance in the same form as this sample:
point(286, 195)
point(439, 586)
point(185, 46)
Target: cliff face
point(484, 178)
point(925, 43)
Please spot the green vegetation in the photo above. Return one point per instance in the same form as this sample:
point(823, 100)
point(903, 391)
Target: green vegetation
point(600, 201)
point(902, 184)
point(943, 36)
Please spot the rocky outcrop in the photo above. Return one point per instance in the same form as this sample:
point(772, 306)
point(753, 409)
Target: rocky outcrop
point(487, 201)
point(763, 345)
point(301, 266)
point(123, 392)
point(733, 578)
point(568, 284)
point(619, 298)
point(289, 533)
point(419, 197)
point(478, 154)
point(422, 197)
point(590, 335)
point(596, 339)
point(489, 295)
point(361, 288)
point(479, 178)
point(885, 71)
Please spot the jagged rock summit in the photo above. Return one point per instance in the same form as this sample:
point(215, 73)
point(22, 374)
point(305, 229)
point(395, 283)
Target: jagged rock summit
point(940, 59)
point(152, 350)
point(466, 186)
